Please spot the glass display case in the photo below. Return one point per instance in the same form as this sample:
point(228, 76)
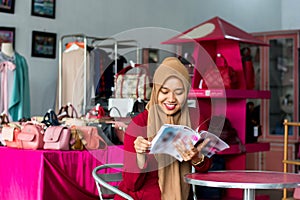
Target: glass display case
point(279, 74)
point(277, 70)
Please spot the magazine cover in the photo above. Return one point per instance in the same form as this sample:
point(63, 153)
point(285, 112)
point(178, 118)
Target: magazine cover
point(169, 134)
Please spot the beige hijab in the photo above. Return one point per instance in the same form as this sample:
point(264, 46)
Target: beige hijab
point(170, 171)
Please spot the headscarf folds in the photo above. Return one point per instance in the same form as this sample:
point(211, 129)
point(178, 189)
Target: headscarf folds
point(170, 170)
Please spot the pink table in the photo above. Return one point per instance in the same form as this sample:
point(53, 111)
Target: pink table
point(51, 174)
point(245, 179)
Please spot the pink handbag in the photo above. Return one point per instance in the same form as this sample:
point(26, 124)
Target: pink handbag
point(9, 135)
point(91, 137)
point(31, 136)
point(57, 137)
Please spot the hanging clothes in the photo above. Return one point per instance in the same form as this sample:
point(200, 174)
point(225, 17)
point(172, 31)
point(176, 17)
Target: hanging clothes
point(73, 79)
point(103, 73)
point(7, 72)
point(17, 86)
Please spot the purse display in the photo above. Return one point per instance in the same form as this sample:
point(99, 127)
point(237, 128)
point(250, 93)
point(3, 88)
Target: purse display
point(133, 82)
point(57, 137)
point(222, 76)
point(31, 136)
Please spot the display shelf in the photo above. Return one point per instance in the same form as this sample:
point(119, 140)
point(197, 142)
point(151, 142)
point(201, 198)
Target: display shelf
point(237, 94)
point(231, 103)
point(248, 148)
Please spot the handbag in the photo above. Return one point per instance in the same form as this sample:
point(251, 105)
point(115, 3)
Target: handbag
point(77, 142)
point(107, 131)
point(138, 107)
point(31, 136)
point(10, 134)
point(249, 72)
point(64, 112)
point(50, 118)
point(120, 107)
point(4, 119)
point(133, 82)
point(97, 112)
point(222, 76)
point(91, 137)
point(57, 137)
point(70, 119)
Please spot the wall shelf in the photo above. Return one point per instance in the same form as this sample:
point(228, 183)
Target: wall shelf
point(237, 94)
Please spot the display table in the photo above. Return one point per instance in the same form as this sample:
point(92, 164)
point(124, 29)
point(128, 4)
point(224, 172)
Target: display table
point(245, 179)
point(52, 174)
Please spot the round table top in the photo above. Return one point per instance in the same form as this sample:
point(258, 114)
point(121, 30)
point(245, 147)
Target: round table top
point(245, 179)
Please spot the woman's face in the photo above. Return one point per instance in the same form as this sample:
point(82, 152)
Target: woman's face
point(171, 96)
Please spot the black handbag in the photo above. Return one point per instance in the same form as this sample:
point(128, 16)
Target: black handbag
point(50, 119)
point(107, 132)
point(138, 107)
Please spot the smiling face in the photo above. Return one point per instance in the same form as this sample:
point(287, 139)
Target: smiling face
point(171, 96)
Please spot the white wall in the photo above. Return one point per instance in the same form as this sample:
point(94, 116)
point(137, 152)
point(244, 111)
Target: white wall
point(107, 18)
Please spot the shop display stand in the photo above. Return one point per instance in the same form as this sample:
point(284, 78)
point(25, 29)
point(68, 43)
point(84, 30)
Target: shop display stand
point(225, 39)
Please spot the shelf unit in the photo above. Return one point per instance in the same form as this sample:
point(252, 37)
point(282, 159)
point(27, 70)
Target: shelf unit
point(286, 161)
point(222, 38)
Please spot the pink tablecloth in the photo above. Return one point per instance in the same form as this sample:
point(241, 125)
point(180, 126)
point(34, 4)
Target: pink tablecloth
point(50, 174)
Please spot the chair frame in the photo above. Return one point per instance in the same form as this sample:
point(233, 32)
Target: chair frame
point(103, 179)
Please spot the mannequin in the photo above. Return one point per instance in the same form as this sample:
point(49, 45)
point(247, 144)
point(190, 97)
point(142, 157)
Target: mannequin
point(7, 49)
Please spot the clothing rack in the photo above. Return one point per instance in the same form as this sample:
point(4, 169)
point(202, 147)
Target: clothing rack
point(103, 42)
point(85, 40)
point(119, 44)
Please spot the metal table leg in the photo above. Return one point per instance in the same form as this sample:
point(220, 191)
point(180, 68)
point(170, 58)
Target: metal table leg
point(249, 194)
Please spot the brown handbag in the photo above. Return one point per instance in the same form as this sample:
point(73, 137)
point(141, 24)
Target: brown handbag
point(91, 137)
point(77, 141)
point(57, 137)
point(31, 136)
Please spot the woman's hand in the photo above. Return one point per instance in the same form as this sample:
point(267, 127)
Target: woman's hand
point(141, 145)
point(188, 151)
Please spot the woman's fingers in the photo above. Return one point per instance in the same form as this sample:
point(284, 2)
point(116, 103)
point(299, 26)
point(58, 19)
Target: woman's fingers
point(186, 150)
point(141, 145)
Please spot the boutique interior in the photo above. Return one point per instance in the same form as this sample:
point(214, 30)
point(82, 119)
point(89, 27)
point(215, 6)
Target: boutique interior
point(87, 67)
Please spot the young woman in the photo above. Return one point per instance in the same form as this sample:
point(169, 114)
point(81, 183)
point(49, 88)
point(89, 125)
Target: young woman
point(148, 176)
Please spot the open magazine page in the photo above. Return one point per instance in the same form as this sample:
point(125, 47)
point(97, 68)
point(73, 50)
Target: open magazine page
point(169, 134)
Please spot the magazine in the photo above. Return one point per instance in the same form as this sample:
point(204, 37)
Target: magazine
point(169, 134)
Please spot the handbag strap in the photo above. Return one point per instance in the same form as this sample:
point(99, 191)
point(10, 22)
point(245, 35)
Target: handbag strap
point(74, 113)
point(4, 119)
point(50, 118)
point(63, 112)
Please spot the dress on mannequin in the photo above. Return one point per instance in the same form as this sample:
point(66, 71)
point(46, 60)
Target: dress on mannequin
point(7, 49)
